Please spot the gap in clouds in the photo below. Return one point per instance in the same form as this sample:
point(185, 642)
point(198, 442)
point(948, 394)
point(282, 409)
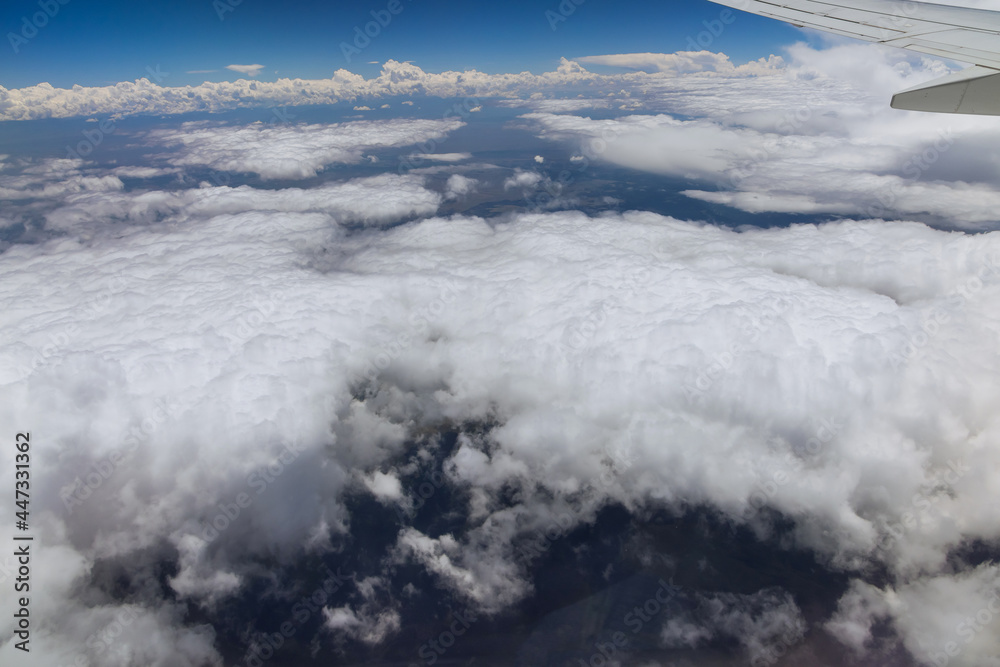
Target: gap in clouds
point(585, 580)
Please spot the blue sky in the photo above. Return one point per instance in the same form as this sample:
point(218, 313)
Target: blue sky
point(97, 43)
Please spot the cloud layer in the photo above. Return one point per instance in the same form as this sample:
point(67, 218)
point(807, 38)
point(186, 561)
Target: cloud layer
point(244, 378)
point(142, 96)
point(820, 138)
point(293, 151)
point(629, 359)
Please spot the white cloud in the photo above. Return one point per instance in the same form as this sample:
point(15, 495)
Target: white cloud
point(196, 578)
point(373, 200)
point(385, 486)
point(54, 178)
point(249, 70)
point(762, 141)
point(369, 622)
point(442, 157)
point(459, 186)
point(554, 105)
point(942, 620)
point(286, 310)
point(144, 172)
point(766, 624)
point(686, 62)
point(143, 96)
point(293, 151)
point(370, 629)
point(523, 179)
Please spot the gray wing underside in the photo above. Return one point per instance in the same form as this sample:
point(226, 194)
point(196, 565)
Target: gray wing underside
point(958, 33)
point(966, 35)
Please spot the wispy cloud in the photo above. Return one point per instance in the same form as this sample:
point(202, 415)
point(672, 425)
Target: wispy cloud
point(249, 70)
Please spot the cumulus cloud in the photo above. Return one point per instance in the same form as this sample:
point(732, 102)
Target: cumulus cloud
point(385, 486)
point(760, 141)
point(765, 624)
point(459, 186)
point(368, 628)
point(942, 619)
point(523, 179)
point(292, 151)
point(249, 70)
point(396, 78)
point(685, 62)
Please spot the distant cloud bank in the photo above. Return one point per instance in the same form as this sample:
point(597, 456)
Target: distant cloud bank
point(145, 97)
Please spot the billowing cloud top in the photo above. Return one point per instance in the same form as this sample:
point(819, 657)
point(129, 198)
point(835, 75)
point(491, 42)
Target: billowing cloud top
point(142, 96)
point(686, 62)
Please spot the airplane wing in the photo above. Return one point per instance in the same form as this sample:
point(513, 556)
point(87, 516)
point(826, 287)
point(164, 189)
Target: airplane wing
point(959, 33)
